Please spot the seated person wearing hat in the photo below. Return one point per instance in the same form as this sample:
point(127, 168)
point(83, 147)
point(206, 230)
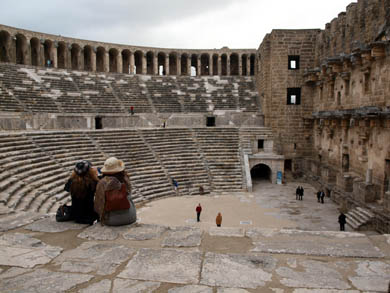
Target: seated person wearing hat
point(82, 185)
point(113, 195)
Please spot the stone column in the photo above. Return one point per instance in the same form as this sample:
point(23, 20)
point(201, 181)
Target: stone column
point(53, 55)
point(143, 63)
point(132, 63)
point(119, 67)
point(239, 65)
point(228, 65)
point(155, 65)
point(211, 65)
point(219, 65)
point(248, 65)
point(41, 53)
point(93, 60)
point(198, 73)
point(189, 65)
point(80, 59)
point(166, 66)
point(178, 65)
point(106, 65)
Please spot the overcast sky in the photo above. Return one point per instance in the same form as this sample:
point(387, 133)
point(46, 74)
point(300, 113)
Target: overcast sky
point(170, 23)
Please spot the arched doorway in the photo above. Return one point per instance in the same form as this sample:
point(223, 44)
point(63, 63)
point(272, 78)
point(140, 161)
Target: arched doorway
point(5, 41)
point(61, 55)
point(261, 172)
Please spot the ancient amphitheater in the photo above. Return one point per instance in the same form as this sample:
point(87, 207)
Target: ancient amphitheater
point(308, 107)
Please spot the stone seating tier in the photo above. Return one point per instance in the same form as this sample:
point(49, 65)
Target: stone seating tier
point(34, 166)
point(28, 89)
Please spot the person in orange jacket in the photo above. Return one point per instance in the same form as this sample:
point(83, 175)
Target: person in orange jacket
point(218, 220)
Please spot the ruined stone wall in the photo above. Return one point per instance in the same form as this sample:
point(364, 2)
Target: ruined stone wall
point(362, 23)
point(290, 122)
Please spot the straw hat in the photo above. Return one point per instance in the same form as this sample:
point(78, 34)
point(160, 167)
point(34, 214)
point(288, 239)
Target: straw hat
point(113, 165)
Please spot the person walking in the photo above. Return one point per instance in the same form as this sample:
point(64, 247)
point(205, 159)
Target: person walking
point(175, 184)
point(342, 221)
point(319, 195)
point(218, 220)
point(198, 211)
point(297, 193)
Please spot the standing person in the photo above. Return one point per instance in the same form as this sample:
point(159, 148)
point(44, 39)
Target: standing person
point(322, 196)
point(175, 184)
point(218, 220)
point(319, 195)
point(342, 221)
point(82, 185)
point(301, 191)
point(198, 211)
point(113, 195)
point(297, 193)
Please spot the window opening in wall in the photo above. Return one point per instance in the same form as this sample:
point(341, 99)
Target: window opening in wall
point(260, 144)
point(366, 83)
point(98, 123)
point(345, 163)
point(339, 98)
point(295, 146)
point(347, 88)
point(387, 176)
point(293, 62)
point(210, 121)
point(287, 165)
point(293, 96)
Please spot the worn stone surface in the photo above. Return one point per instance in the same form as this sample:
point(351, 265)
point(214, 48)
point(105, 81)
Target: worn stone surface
point(301, 242)
point(164, 265)
point(52, 226)
point(4, 210)
point(18, 219)
point(324, 291)
point(191, 289)
point(372, 276)
point(244, 271)
point(42, 281)
point(183, 237)
point(100, 287)
point(231, 290)
point(22, 250)
point(99, 232)
point(316, 274)
point(144, 232)
point(94, 257)
point(125, 285)
point(227, 231)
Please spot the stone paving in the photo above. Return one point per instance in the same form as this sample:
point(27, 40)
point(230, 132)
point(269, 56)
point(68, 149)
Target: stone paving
point(41, 255)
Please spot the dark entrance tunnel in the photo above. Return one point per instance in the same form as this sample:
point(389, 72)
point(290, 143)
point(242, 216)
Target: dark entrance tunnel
point(261, 172)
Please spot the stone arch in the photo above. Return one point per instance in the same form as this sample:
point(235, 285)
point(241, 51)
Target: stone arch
point(47, 51)
point(215, 64)
point(100, 59)
point(113, 60)
point(234, 64)
point(224, 64)
point(161, 63)
point(75, 56)
point(138, 56)
point(35, 46)
point(88, 53)
point(21, 49)
point(173, 63)
point(184, 64)
point(244, 58)
point(205, 64)
point(252, 64)
point(150, 63)
point(61, 55)
point(5, 42)
point(126, 61)
point(261, 172)
point(194, 64)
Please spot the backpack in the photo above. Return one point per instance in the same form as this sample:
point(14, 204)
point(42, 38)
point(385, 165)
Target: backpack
point(64, 213)
point(116, 200)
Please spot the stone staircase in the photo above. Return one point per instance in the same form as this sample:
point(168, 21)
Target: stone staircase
point(220, 148)
point(360, 219)
point(178, 155)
